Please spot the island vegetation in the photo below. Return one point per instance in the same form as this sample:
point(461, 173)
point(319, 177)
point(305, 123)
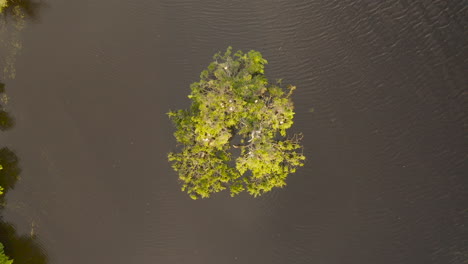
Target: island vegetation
point(235, 112)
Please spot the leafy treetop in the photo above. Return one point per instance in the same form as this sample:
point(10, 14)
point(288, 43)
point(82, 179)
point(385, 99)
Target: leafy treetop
point(234, 103)
point(3, 4)
point(4, 258)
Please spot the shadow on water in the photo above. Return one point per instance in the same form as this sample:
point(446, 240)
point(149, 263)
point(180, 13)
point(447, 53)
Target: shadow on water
point(9, 172)
point(23, 249)
point(6, 120)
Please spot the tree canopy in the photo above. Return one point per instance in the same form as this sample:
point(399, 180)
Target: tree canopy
point(3, 4)
point(23, 248)
point(20, 8)
point(4, 258)
point(235, 111)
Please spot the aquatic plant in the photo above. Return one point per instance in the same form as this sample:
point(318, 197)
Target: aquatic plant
point(235, 111)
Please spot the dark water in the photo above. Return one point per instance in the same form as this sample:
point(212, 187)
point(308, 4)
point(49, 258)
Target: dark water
point(381, 100)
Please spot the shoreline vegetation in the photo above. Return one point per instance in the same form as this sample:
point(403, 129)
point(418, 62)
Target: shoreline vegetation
point(235, 111)
point(4, 259)
point(13, 17)
point(4, 122)
point(21, 8)
point(3, 4)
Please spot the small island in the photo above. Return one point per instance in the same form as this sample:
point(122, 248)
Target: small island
point(235, 112)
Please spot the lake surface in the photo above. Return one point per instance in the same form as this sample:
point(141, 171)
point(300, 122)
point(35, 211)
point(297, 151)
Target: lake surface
point(381, 101)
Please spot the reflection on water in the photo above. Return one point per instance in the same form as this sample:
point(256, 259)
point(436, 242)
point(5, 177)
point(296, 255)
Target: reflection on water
point(13, 15)
point(22, 249)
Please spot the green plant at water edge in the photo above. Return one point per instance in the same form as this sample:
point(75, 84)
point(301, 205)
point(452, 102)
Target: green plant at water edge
point(9, 171)
point(4, 258)
point(235, 109)
point(3, 4)
point(6, 156)
point(21, 8)
point(23, 248)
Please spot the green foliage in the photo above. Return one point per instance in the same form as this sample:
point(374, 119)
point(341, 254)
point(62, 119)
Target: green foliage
point(20, 8)
point(23, 248)
point(233, 102)
point(4, 258)
point(9, 172)
point(3, 4)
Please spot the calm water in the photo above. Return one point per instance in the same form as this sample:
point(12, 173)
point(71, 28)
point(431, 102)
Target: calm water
point(381, 100)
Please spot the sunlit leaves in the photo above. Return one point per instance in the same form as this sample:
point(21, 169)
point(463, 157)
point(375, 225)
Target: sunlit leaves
point(4, 258)
point(233, 102)
point(3, 4)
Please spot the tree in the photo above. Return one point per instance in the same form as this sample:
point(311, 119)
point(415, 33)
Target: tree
point(23, 248)
point(21, 8)
point(3, 4)
point(235, 111)
point(4, 258)
point(9, 172)
point(9, 169)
